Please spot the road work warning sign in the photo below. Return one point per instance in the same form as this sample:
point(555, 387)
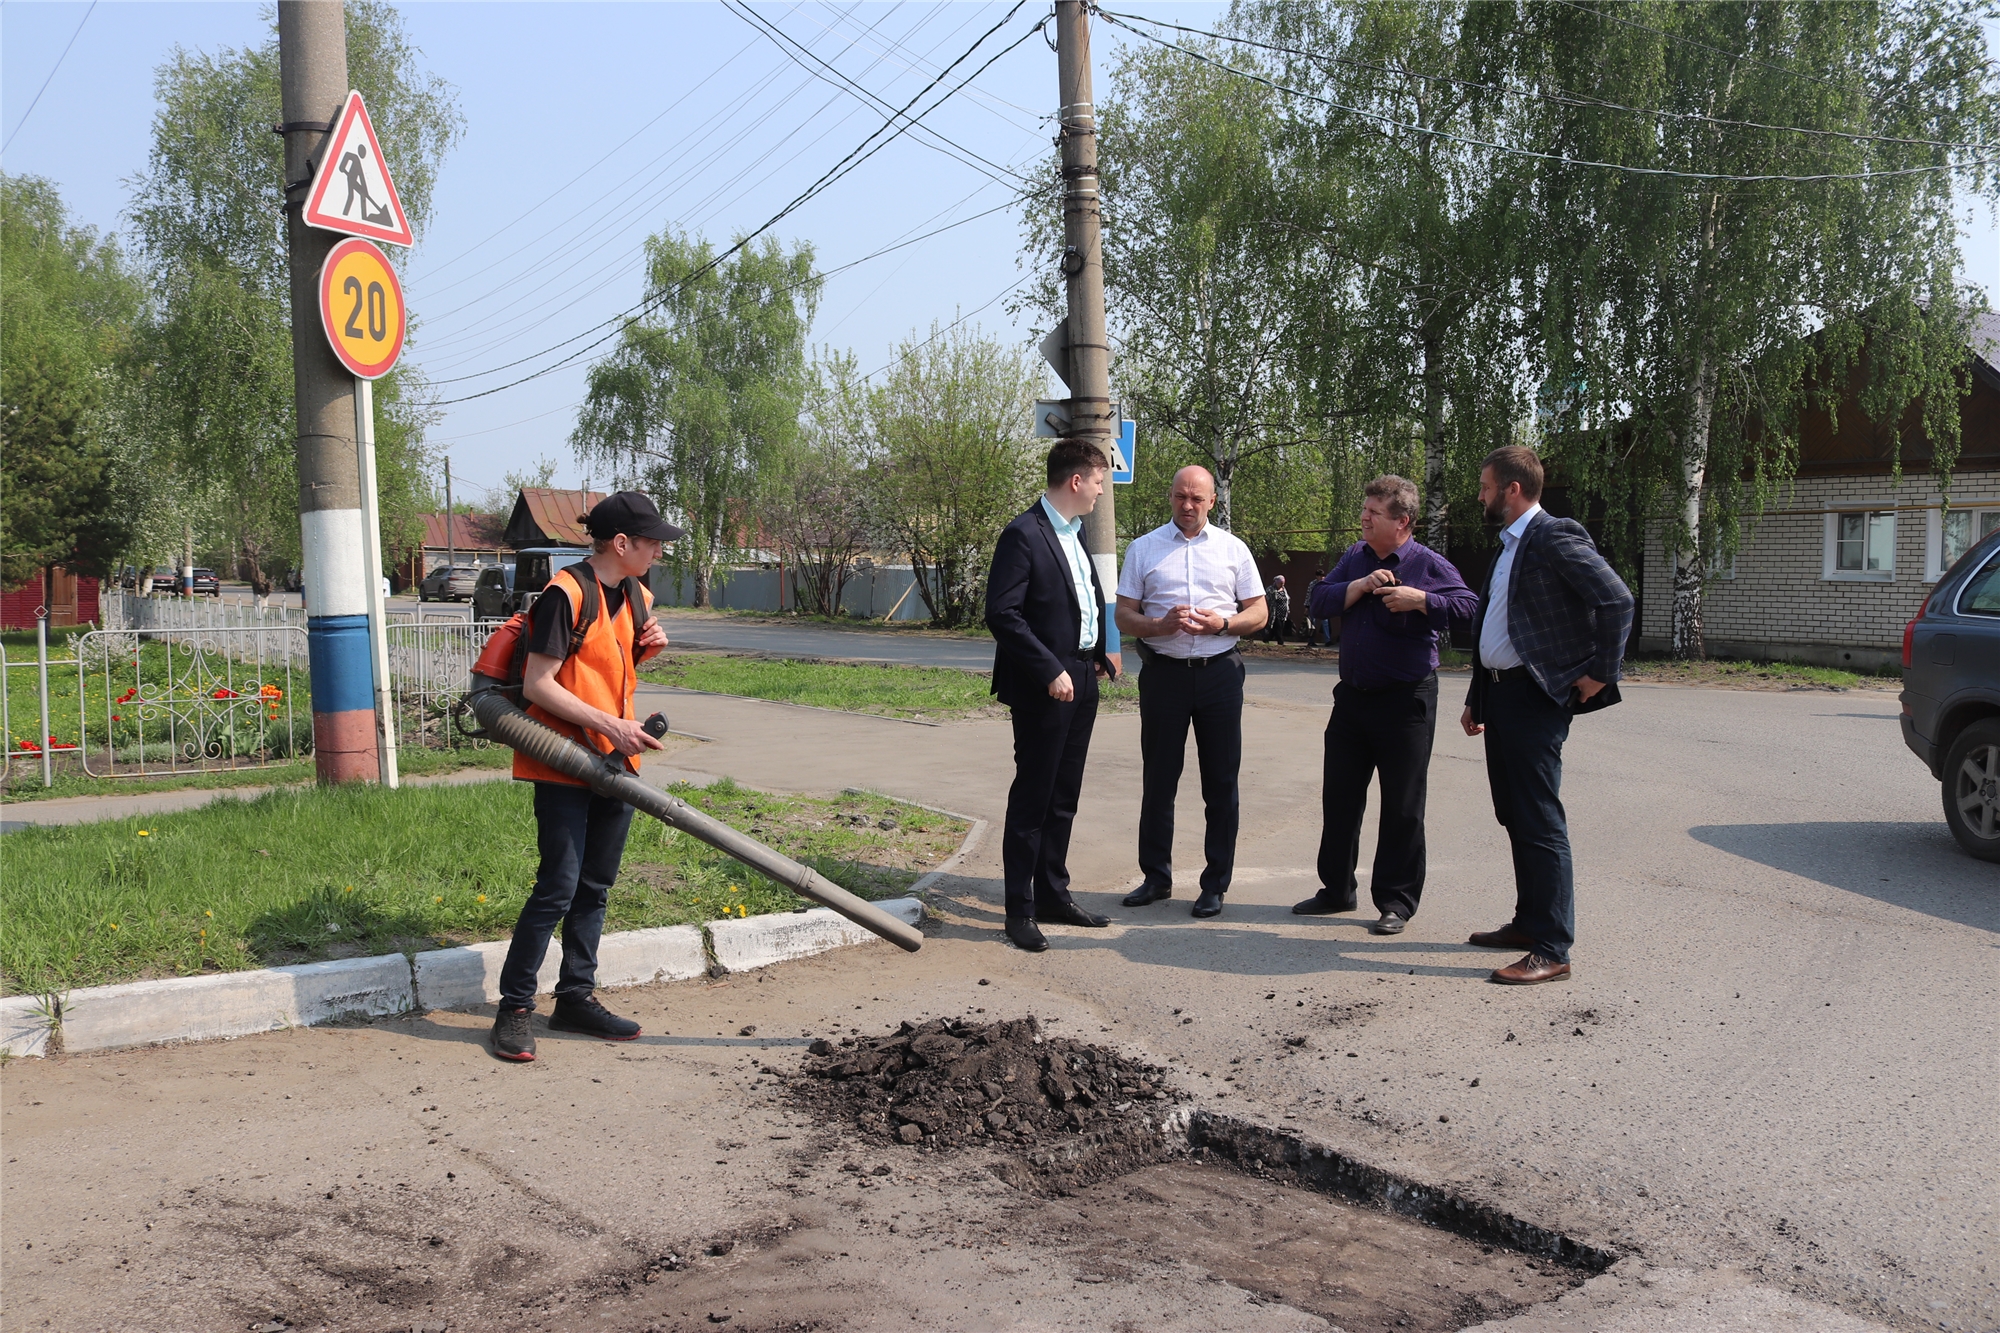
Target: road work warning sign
point(351, 191)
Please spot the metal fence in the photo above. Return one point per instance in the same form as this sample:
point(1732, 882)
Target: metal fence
point(177, 686)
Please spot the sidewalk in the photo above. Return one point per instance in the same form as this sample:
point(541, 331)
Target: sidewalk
point(1772, 1067)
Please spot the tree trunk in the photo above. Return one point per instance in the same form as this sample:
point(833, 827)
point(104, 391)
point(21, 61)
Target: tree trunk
point(700, 572)
point(1224, 470)
point(1436, 518)
point(1690, 573)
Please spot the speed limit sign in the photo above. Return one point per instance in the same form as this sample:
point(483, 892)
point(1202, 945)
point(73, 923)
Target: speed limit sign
point(361, 308)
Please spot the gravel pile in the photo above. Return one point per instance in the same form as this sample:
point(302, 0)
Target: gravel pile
point(950, 1084)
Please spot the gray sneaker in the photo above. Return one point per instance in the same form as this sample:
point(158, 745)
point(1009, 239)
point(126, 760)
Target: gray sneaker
point(513, 1037)
point(1390, 924)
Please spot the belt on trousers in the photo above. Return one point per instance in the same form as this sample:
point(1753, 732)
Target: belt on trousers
point(1509, 673)
point(1158, 658)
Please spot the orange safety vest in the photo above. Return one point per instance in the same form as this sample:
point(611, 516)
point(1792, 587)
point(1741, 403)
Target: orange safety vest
point(601, 674)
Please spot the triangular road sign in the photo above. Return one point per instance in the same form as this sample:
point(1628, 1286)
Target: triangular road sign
point(352, 192)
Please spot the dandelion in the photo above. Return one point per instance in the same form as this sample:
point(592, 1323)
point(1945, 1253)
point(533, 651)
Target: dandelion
point(438, 899)
point(350, 888)
point(145, 833)
point(210, 915)
point(480, 899)
point(114, 925)
point(204, 934)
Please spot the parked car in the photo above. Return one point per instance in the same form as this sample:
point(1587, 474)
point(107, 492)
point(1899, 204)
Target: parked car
point(448, 583)
point(166, 580)
point(205, 581)
point(493, 597)
point(1951, 695)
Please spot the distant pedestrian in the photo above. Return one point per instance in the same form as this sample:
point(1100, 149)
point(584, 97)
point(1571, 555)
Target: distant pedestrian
point(1395, 598)
point(1316, 634)
point(1549, 640)
point(1046, 610)
point(1280, 601)
point(1188, 592)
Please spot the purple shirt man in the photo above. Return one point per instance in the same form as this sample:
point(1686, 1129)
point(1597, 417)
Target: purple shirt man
point(1393, 596)
point(1381, 645)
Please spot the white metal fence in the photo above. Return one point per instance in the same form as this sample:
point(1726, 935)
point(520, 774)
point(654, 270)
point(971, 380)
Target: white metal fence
point(177, 686)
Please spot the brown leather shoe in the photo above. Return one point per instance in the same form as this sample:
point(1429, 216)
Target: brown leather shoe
point(1531, 971)
point(1509, 936)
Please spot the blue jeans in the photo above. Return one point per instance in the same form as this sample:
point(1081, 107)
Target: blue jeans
point(581, 836)
point(1525, 731)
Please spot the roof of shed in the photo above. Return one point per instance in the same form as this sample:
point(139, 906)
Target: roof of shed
point(546, 517)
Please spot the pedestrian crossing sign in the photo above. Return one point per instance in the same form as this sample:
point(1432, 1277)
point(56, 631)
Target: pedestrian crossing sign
point(1123, 450)
point(351, 189)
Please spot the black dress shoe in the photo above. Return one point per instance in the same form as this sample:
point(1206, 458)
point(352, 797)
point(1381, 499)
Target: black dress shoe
point(1148, 893)
point(1319, 905)
point(1069, 914)
point(1209, 904)
point(1026, 935)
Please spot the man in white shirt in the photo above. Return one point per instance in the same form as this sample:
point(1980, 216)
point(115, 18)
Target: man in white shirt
point(1188, 592)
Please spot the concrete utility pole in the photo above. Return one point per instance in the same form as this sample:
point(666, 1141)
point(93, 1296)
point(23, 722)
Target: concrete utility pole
point(1089, 354)
point(312, 70)
point(450, 536)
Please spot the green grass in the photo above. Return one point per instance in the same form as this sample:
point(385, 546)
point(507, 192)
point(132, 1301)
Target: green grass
point(927, 693)
point(972, 631)
point(317, 873)
point(1765, 675)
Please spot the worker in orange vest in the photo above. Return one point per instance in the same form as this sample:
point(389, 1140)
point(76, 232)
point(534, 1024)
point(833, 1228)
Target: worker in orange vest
point(587, 634)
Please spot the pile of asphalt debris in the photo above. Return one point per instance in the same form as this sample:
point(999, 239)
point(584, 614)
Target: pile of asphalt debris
point(1079, 1110)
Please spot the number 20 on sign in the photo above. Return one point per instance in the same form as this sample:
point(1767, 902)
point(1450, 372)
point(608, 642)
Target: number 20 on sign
point(361, 308)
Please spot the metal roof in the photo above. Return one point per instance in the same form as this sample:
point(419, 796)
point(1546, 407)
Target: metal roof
point(546, 517)
point(469, 532)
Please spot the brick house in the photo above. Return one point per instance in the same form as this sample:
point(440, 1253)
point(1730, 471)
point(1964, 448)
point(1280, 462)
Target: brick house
point(1846, 554)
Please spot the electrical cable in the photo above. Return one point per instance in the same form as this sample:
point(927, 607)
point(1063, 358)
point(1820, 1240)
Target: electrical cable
point(1533, 154)
point(794, 51)
point(913, 63)
point(1005, 292)
point(862, 152)
point(1557, 96)
point(36, 101)
point(641, 203)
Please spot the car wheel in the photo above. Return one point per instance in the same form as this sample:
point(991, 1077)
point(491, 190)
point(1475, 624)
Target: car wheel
point(1972, 789)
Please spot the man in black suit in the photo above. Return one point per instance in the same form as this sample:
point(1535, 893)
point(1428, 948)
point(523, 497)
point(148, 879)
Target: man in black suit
point(1045, 606)
point(1549, 637)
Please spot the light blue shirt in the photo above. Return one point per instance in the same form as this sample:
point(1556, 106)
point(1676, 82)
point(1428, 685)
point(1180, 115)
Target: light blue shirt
point(1496, 649)
point(1069, 536)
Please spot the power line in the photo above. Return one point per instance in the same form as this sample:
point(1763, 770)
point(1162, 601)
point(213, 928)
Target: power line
point(1557, 96)
point(866, 149)
point(1004, 292)
point(1558, 158)
point(794, 50)
point(52, 76)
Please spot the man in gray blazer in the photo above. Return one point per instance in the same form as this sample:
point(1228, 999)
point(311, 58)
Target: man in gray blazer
point(1549, 637)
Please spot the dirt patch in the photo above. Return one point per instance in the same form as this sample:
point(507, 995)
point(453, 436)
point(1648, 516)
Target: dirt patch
point(1071, 1110)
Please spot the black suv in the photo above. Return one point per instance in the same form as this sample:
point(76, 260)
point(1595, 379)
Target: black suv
point(1951, 695)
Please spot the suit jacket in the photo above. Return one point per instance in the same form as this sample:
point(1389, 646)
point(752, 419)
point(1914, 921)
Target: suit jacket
point(1031, 609)
point(1568, 615)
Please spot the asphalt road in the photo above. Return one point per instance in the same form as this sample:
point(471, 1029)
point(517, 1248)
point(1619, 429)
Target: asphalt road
point(1773, 1070)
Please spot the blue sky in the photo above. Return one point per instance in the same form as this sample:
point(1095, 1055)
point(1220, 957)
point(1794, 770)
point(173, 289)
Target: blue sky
point(591, 126)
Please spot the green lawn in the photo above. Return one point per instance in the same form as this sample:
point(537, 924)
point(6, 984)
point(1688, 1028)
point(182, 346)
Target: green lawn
point(316, 873)
point(928, 693)
point(24, 780)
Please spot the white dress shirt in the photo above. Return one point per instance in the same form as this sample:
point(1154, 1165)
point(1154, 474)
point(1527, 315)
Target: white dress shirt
point(1069, 536)
point(1496, 649)
point(1212, 570)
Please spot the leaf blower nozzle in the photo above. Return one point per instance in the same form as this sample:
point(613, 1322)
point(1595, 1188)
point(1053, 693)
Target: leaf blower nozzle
point(505, 721)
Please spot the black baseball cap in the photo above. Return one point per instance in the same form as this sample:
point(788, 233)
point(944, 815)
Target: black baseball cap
point(631, 513)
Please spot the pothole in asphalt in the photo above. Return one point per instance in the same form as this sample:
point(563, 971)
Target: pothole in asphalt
point(1104, 1192)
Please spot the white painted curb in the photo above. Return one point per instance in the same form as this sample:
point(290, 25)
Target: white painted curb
point(759, 941)
point(226, 1004)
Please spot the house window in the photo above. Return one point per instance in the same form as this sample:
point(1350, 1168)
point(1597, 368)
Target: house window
point(1861, 546)
point(1954, 532)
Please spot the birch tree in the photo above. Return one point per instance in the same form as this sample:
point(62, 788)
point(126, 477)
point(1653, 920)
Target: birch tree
point(703, 386)
point(1687, 319)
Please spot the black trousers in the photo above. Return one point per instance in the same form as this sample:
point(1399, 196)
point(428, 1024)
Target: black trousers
point(1525, 731)
point(1387, 733)
point(582, 839)
point(1173, 696)
point(1051, 743)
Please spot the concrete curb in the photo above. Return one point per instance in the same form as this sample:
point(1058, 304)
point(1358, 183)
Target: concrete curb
point(760, 941)
point(238, 1004)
